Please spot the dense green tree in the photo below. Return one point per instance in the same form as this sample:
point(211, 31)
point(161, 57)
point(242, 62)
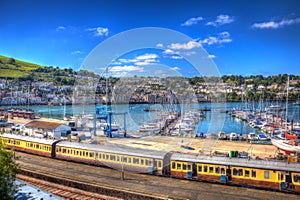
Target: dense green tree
point(8, 170)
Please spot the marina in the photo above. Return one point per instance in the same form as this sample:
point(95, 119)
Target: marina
point(131, 121)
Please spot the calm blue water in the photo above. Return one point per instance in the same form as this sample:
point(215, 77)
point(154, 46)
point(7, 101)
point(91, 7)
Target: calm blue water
point(214, 122)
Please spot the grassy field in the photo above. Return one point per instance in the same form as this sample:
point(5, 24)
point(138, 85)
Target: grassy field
point(12, 68)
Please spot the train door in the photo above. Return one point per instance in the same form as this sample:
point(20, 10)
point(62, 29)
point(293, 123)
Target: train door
point(285, 181)
point(194, 166)
point(228, 174)
point(166, 164)
point(154, 166)
point(190, 170)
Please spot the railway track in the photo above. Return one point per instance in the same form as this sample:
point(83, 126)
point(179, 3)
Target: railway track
point(140, 186)
point(63, 191)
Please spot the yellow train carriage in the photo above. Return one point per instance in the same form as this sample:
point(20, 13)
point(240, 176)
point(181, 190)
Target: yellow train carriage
point(256, 173)
point(128, 159)
point(40, 146)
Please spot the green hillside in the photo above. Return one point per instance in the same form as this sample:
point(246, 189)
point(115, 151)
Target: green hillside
point(12, 68)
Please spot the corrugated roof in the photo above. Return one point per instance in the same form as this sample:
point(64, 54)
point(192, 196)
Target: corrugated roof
point(43, 124)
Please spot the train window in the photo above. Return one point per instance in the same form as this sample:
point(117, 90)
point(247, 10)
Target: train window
point(205, 168)
point(297, 178)
point(80, 153)
point(240, 172)
point(237, 172)
point(68, 151)
point(222, 170)
point(86, 154)
point(112, 157)
point(189, 167)
point(211, 169)
point(118, 158)
point(37, 146)
point(92, 154)
point(247, 173)
point(77, 152)
point(199, 168)
point(217, 170)
point(266, 174)
point(159, 164)
point(184, 166)
point(280, 177)
point(147, 162)
point(106, 156)
point(136, 161)
point(63, 150)
point(129, 160)
point(173, 165)
point(31, 145)
point(178, 165)
point(96, 155)
point(142, 161)
point(124, 159)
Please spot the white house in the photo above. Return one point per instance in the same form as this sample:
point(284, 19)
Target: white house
point(47, 129)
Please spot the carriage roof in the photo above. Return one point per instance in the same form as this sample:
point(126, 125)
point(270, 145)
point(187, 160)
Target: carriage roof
point(29, 139)
point(116, 149)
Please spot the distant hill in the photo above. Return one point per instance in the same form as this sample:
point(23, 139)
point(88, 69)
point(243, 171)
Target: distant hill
point(13, 68)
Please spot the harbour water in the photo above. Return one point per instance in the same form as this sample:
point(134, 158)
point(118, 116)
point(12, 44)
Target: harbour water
point(216, 119)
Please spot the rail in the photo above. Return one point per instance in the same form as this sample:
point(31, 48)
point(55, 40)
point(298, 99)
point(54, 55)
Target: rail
point(112, 191)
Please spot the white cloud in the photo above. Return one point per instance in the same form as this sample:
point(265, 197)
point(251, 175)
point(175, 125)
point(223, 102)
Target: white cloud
point(147, 56)
point(145, 59)
point(126, 60)
point(99, 31)
point(211, 56)
point(276, 25)
point(60, 28)
point(185, 46)
point(223, 37)
point(77, 52)
point(159, 45)
point(192, 21)
point(176, 57)
point(168, 51)
point(126, 68)
point(175, 68)
point(221, 20)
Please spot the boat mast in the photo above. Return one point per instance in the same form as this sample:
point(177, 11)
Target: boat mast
point(287, 102)
point(106, 89)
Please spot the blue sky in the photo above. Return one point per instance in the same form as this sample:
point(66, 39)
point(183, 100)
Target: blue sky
point(242, 37)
